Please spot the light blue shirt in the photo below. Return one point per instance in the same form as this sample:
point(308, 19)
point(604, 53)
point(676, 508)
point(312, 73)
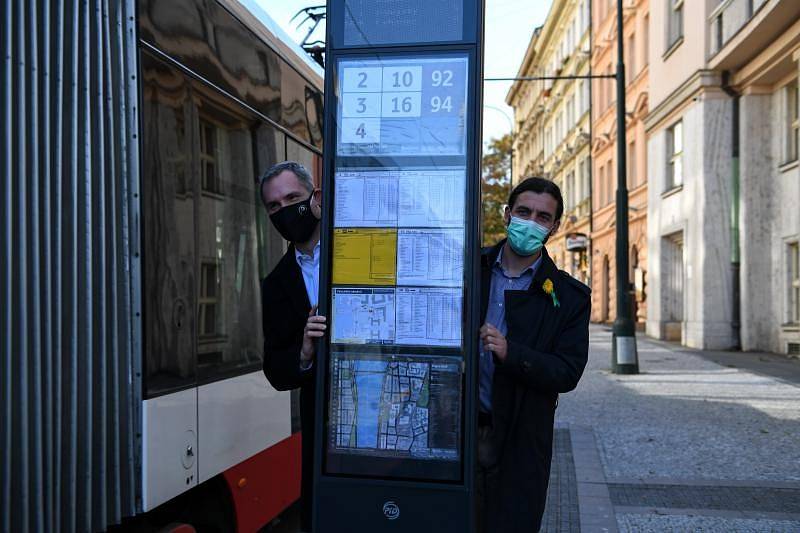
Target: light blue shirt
point(309, 266)
point(496, 316)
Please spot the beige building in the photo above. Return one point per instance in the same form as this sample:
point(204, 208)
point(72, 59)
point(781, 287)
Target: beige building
point(636, 26)
point(721, 70)
point(552, 124)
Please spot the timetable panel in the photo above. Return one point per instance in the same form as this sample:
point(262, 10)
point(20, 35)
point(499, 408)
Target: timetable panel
point(403, 106)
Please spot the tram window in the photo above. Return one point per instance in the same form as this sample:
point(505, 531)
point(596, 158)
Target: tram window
point(297, 152)
point(270, 149)
point(229, 298)
point(208, 39)
point(168, 238)
point(207, 240)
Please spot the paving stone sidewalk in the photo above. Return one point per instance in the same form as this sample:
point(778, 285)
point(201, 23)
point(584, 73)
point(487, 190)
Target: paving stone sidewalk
point(695, 442)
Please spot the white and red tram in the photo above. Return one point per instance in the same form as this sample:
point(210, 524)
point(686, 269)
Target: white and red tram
point(223, 95)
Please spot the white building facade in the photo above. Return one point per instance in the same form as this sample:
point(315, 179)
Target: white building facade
point(718, 69)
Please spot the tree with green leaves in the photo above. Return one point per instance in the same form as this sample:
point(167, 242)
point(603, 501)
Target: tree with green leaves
point(495, 188)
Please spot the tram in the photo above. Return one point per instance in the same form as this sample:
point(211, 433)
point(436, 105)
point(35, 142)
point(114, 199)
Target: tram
point(223, 97)
point(160, 413)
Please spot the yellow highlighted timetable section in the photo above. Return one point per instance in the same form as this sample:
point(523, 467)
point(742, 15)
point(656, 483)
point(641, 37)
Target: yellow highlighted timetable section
point(365, 256)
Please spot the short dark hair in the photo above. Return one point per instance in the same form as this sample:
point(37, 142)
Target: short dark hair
point(293, 166)
point(538, 185)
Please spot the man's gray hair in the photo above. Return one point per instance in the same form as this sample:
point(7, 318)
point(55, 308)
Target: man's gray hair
point(293, 166)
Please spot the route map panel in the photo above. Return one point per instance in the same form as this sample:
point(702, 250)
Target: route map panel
point(403, 406)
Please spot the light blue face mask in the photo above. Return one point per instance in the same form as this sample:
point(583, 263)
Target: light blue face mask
point(526, 237)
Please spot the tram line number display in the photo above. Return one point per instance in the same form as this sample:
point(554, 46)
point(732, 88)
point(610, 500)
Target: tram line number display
point(402, 106)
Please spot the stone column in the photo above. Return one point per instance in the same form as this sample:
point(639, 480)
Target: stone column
point(757, 189)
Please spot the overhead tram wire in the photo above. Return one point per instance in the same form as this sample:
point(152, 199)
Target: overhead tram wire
point(555, 78)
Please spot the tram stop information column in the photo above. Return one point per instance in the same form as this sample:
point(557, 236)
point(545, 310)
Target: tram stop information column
point(396, 378)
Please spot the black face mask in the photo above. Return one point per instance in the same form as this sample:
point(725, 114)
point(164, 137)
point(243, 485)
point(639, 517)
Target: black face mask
point(295, 222)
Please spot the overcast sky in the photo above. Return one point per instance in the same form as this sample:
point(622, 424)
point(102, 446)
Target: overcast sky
point(509, 25)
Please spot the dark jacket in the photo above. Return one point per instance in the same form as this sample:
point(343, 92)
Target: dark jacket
point(547, 352)
point(285, 308)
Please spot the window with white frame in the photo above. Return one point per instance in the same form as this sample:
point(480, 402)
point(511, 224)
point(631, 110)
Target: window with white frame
point(585, 15)
point(792, 122)
point(209, 300)
point(793, 264)
point(601, 95)
point(583, 97)
point(631, 164)
point(570, 191)
point(646, 41)
point(631, 59)
point(209, 170)
point(571, 111)
point(601, 185)
point(674, 156)
point(586, 177)
point(674, 22)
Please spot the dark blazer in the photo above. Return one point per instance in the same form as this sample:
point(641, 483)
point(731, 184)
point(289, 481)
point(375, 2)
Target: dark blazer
point(547, 351)
point(285, 308)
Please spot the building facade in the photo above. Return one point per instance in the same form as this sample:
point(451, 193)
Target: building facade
point(636, 26)
point(552, 125)
point(723, 223)
point(756, 45)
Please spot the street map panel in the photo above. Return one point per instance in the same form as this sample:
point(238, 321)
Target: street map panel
point(400, 406)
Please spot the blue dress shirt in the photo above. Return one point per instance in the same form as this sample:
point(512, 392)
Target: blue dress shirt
point(496, 316)
point(309, 266)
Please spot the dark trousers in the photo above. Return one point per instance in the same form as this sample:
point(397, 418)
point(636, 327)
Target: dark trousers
point(486, 477)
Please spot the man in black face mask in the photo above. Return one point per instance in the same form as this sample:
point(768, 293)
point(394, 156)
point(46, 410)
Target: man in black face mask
point(289, 301)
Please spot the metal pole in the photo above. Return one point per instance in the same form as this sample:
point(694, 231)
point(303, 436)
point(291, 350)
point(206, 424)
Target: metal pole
point(624, 356)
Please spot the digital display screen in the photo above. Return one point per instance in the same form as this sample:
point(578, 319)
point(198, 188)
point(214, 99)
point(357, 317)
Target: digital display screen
point(396, 371)
point(374, 22)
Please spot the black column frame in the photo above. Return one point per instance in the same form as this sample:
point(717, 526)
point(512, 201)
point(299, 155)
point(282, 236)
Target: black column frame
point(471, 287)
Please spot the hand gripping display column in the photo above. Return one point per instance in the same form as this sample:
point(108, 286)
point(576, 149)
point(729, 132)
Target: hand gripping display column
point(396, 374)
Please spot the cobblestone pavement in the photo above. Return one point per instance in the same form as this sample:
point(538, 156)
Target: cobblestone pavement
point(698, 441)
point(561, 511)
point(692, 443)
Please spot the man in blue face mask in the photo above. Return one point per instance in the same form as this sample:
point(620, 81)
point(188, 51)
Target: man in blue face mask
point(534, 345)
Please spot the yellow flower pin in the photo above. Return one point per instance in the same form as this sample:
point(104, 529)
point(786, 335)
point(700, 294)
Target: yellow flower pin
point(548, 289)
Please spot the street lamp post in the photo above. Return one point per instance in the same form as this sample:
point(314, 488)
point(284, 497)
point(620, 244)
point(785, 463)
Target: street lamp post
point(624, 358)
